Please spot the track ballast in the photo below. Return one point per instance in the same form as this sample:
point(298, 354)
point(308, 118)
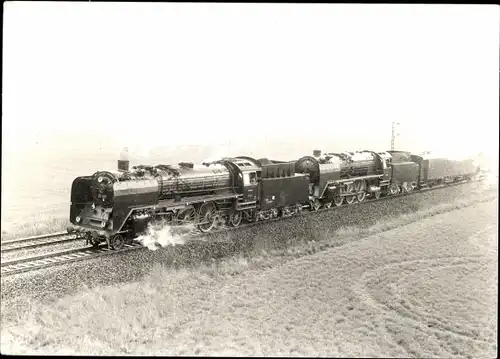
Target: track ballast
point(27, 264)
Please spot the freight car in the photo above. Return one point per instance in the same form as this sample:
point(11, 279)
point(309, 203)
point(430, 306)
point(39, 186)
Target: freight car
point(117, 206)
point(435, 170)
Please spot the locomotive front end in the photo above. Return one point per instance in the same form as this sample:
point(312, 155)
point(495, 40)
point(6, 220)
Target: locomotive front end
point(92, 199)
point(118, 206)
point(100, 203)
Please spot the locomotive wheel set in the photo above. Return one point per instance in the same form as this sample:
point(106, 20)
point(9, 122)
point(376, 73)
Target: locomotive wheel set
point(118, 206)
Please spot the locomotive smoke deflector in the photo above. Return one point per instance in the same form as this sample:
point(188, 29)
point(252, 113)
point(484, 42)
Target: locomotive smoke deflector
point(123, 162)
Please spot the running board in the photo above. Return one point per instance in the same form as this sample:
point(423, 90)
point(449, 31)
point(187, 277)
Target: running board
point(246, 205)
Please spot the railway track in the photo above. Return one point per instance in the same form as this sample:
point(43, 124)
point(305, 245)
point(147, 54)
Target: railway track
point(56, 258)
point(37, 241)
point(26, 264)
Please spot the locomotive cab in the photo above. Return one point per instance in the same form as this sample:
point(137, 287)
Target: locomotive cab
point(386, 159)
point(249, 175)
point(250, 186)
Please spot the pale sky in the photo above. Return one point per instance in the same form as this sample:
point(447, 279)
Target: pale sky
point(157, 73)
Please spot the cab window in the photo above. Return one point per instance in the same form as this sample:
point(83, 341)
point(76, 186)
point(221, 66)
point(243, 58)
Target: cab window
point(246, 179)
point(249, 178)
point(253, 178)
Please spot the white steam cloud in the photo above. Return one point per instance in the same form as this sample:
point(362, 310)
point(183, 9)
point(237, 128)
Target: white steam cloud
point(157, 237)
point(215, 155)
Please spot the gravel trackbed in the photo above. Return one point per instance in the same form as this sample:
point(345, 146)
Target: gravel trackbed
point(427, 289)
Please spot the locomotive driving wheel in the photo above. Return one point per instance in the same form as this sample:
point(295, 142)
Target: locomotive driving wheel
point(377, 194)
point(338, 200)
point(207, 214)
point(361, 187)
point(117, 241)
point(235, 218)
point(349, 189)
point(187, 215)
point(350, 199)
point(327, 204)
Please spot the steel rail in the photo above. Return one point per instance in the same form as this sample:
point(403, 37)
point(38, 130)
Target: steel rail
point(45, 241)
point(27, 264)
point(56, 258)
point(34, 238)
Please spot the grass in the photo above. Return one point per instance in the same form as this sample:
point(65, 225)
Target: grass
point(130, 318)
point(37, 226)
point(324, 239)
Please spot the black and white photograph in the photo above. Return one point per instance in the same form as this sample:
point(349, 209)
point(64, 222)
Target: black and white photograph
point(250, 179)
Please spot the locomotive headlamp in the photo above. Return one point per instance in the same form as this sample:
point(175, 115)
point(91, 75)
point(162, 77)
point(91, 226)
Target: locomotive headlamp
point(103, 224)
point(99, 179)
point(78, 218)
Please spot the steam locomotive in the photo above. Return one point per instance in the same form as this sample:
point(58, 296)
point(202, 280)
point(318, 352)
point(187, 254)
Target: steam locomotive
point(117, 206)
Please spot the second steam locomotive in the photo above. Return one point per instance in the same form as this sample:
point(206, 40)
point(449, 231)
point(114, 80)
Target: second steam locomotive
point(117, 206)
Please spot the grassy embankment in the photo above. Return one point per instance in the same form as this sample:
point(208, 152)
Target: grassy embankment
point(35, 227)
point(121, 318)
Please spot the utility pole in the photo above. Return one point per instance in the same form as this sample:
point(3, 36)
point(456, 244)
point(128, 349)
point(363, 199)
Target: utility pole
point(394, 134)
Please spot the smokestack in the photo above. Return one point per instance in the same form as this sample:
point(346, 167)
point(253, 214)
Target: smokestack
point(317, 153)
point(123, 162)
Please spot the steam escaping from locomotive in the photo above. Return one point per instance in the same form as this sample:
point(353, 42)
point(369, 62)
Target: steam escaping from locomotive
point(165, 236)
point(215, 155)
point(207, 161)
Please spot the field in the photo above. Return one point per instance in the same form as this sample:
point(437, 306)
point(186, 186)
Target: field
point(425, 289)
